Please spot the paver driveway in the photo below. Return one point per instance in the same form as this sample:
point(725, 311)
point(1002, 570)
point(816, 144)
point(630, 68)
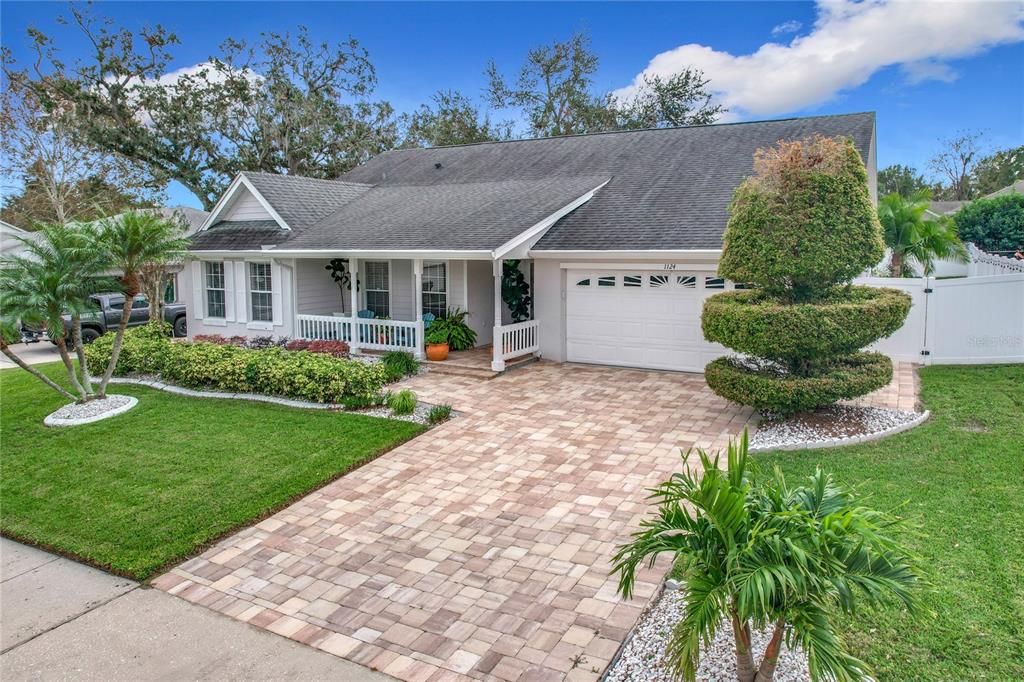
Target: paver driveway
point(481, 548)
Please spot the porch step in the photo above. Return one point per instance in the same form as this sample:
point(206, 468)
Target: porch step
point(457, 368)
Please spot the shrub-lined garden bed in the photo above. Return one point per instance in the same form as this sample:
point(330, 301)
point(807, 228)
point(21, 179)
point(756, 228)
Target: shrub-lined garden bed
point(327, 376)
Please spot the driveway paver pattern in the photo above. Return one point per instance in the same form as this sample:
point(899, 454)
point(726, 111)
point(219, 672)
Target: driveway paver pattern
point(480, 549)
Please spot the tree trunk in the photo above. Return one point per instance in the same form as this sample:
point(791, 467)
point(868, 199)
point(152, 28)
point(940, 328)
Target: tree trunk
point(745, 669)
point(766, 673)
point(65, 357)
point(896, 264)
point(115, 350)
point(6, 350)
point(83, 368)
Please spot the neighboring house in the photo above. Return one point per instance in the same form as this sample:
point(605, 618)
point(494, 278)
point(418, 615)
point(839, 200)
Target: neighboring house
point(11, 237)
point(619, 235)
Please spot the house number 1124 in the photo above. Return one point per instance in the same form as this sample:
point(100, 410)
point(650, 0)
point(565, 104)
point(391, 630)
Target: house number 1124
point(669, 266)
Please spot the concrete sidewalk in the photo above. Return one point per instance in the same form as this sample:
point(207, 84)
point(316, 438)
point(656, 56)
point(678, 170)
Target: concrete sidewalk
point(31, 353)
point(61, 620)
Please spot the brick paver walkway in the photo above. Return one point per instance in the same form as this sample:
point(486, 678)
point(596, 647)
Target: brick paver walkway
point(481, 548)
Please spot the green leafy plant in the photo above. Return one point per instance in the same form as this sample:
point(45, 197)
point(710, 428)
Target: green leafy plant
point(757, 552)
point(54, 277)
point(515, 291)
point(316, 377)
point(800, 230)
point(361, 402)
point(403, 402)
point(439, 413)
point(452, 330)
point(342, 276)
point(400, 362)
point(911, 236)
point(995, 224)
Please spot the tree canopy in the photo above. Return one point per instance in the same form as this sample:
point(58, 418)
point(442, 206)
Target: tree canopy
point(900, 179)
point(285, 104)
point(452, 119)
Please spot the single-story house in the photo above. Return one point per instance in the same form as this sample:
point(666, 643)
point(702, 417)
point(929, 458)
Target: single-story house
point(618, 234)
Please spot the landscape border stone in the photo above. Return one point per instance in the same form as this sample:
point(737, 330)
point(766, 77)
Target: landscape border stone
point(58, 422)
point(846, 440)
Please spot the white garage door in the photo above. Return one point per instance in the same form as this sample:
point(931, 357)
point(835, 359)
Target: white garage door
point(639, 319)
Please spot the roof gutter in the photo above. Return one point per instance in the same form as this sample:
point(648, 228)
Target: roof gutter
point(645, 254)
point(428, 254)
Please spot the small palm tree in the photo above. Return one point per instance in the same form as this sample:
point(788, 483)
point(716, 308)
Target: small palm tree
point(132, 242)
point(54, 276)
point(911, 236)
point(758, 553)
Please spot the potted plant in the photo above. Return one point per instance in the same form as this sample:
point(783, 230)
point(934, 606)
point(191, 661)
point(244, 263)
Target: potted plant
point(437, 342)
point(449, 333)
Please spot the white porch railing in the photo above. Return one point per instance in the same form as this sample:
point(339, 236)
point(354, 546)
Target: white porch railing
point(389, 335)
point(513, 340)
point(323, 328)
point(371, 334)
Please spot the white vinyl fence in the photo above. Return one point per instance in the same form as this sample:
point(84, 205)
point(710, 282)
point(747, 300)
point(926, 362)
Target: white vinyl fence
point(983, 263)
point(968, 320)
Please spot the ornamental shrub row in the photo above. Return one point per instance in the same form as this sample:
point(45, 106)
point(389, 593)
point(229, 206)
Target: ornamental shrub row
point(303, 375)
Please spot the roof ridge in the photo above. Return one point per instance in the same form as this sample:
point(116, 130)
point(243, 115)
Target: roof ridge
point(305, 178)
point(635, 130)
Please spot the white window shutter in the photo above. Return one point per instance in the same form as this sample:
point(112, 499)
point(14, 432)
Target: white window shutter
point(241, 286)
point(275, 295)
point(198, 305)
point(229, 289)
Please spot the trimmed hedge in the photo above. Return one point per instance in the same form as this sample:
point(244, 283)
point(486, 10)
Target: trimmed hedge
point(303, 375)
point(995, 224)
point(783, 393)
point(754, 323)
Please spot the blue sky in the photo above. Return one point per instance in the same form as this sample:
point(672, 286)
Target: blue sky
point(928, 71)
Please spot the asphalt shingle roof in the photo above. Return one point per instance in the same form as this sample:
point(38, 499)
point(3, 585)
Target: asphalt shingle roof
point(238, 235)
point(666, 189)
point(670, 188)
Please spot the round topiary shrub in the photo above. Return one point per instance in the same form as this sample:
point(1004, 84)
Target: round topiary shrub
point(804, 222)
point(800, 230)
point(773, 389)
point(754, 323)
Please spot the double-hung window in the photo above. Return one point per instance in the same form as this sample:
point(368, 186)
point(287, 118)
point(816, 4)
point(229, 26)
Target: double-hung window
point(215, 289)
point(378, 287)
point(261, 296)
point(435, 288)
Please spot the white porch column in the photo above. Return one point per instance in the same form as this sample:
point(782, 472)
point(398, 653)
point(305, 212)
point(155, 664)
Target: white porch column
point(497, 361)
point(417, 306)
point(353, 266)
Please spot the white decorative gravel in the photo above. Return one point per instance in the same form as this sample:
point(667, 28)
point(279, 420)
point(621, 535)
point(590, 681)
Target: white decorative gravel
point(420, 415)
point(641, 659)
point(831, 426)
point(74, 414)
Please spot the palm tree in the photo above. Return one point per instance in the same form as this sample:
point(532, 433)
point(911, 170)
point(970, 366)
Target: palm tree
point(54, 276)
point(911, 236)
point(133, 241)
point(758, 553)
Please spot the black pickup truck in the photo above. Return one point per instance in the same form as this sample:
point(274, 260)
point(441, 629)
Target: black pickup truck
point(108, 316)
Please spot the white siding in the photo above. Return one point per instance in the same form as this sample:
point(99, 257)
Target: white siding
point(401, 290)
point(317, 294)
point(234, 298)
point(246, 207)
point(480, 285)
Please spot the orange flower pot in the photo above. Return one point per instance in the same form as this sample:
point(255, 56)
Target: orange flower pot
point(437, 351)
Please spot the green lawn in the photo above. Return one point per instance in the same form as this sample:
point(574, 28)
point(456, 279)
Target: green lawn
point(962, 477)
point(152, 486)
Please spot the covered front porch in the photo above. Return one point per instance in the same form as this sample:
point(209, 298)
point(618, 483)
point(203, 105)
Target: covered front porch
point(395, 300)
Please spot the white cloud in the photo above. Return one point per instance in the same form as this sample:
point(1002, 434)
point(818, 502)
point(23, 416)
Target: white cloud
point(850, 41)
point(791, 26)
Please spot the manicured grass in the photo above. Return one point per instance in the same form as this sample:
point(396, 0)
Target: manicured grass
point(154, 485)
point(962, 477)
